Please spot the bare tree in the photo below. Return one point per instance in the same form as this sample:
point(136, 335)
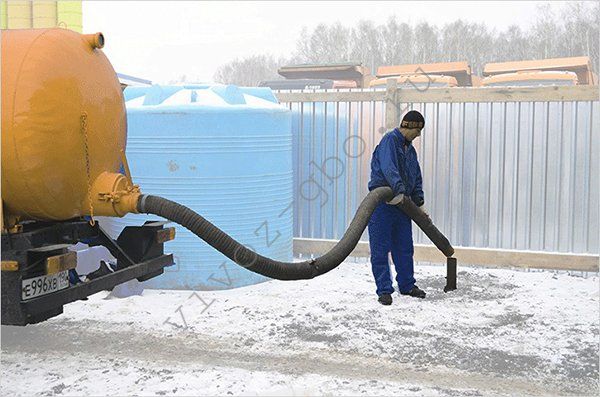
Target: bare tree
point(179, 80)
point(325, 44)
point(545, 34)
point(511, 44)
point(574, 32)
point(366, 44)
point(581, 30)
point(425, 48)
point(454, 37)
point(397, 43)
point(248, 71)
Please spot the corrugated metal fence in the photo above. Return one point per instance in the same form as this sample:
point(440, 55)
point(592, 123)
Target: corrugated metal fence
point(510, 169)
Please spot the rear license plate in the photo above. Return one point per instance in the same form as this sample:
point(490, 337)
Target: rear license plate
point(43, 285)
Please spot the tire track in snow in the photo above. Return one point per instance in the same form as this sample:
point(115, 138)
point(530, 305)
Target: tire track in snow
point(94, 339)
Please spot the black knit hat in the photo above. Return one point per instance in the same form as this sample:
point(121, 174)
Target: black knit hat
point(412, 119)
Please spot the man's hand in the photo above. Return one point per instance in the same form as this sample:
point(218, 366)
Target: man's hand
point(398, 199)
point(418, 201)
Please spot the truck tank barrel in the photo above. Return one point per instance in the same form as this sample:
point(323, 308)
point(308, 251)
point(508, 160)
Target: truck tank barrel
point(63, 127)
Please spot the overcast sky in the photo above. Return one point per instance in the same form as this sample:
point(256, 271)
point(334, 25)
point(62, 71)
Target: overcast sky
point(161, 41)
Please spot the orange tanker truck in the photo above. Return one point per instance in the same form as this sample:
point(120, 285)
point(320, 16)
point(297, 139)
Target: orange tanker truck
point(63, 143)
point(63, 162)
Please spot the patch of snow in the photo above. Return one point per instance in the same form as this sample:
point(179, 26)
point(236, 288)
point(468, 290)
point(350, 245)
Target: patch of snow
point(501, 332)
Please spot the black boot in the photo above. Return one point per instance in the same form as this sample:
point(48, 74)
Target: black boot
point(415, 292)
point(385, 299)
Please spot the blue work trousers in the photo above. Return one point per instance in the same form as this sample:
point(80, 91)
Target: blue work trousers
point(390, 230)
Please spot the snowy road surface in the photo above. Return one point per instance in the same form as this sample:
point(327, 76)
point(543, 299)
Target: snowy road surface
point(502, 332)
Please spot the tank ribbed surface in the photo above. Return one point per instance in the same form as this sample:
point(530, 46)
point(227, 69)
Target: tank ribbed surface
point(225, 152)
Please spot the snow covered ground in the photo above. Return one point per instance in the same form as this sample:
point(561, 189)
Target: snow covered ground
point(502, 332)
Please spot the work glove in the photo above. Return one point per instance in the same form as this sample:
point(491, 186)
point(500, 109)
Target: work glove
point(419, 201)
point(401, 197)
point(398, 199)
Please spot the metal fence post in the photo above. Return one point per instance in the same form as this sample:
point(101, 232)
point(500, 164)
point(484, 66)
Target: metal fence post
point(391, 105)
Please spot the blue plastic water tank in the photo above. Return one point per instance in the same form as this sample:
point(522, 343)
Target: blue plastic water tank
point(225, 152)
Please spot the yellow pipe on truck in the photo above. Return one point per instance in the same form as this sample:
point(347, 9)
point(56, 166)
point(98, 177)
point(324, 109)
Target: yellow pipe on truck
point(63, 128)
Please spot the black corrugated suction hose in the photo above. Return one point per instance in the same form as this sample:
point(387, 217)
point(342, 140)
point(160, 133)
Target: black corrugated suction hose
point(257, 263)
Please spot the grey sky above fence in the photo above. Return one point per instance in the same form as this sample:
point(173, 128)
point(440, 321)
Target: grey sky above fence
point(163, 41)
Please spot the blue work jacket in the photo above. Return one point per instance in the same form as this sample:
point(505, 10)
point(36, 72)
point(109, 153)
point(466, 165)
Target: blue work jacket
point(395, 164)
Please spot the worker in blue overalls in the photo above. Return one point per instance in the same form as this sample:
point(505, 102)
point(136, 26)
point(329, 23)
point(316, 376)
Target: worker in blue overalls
point(394, 164)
